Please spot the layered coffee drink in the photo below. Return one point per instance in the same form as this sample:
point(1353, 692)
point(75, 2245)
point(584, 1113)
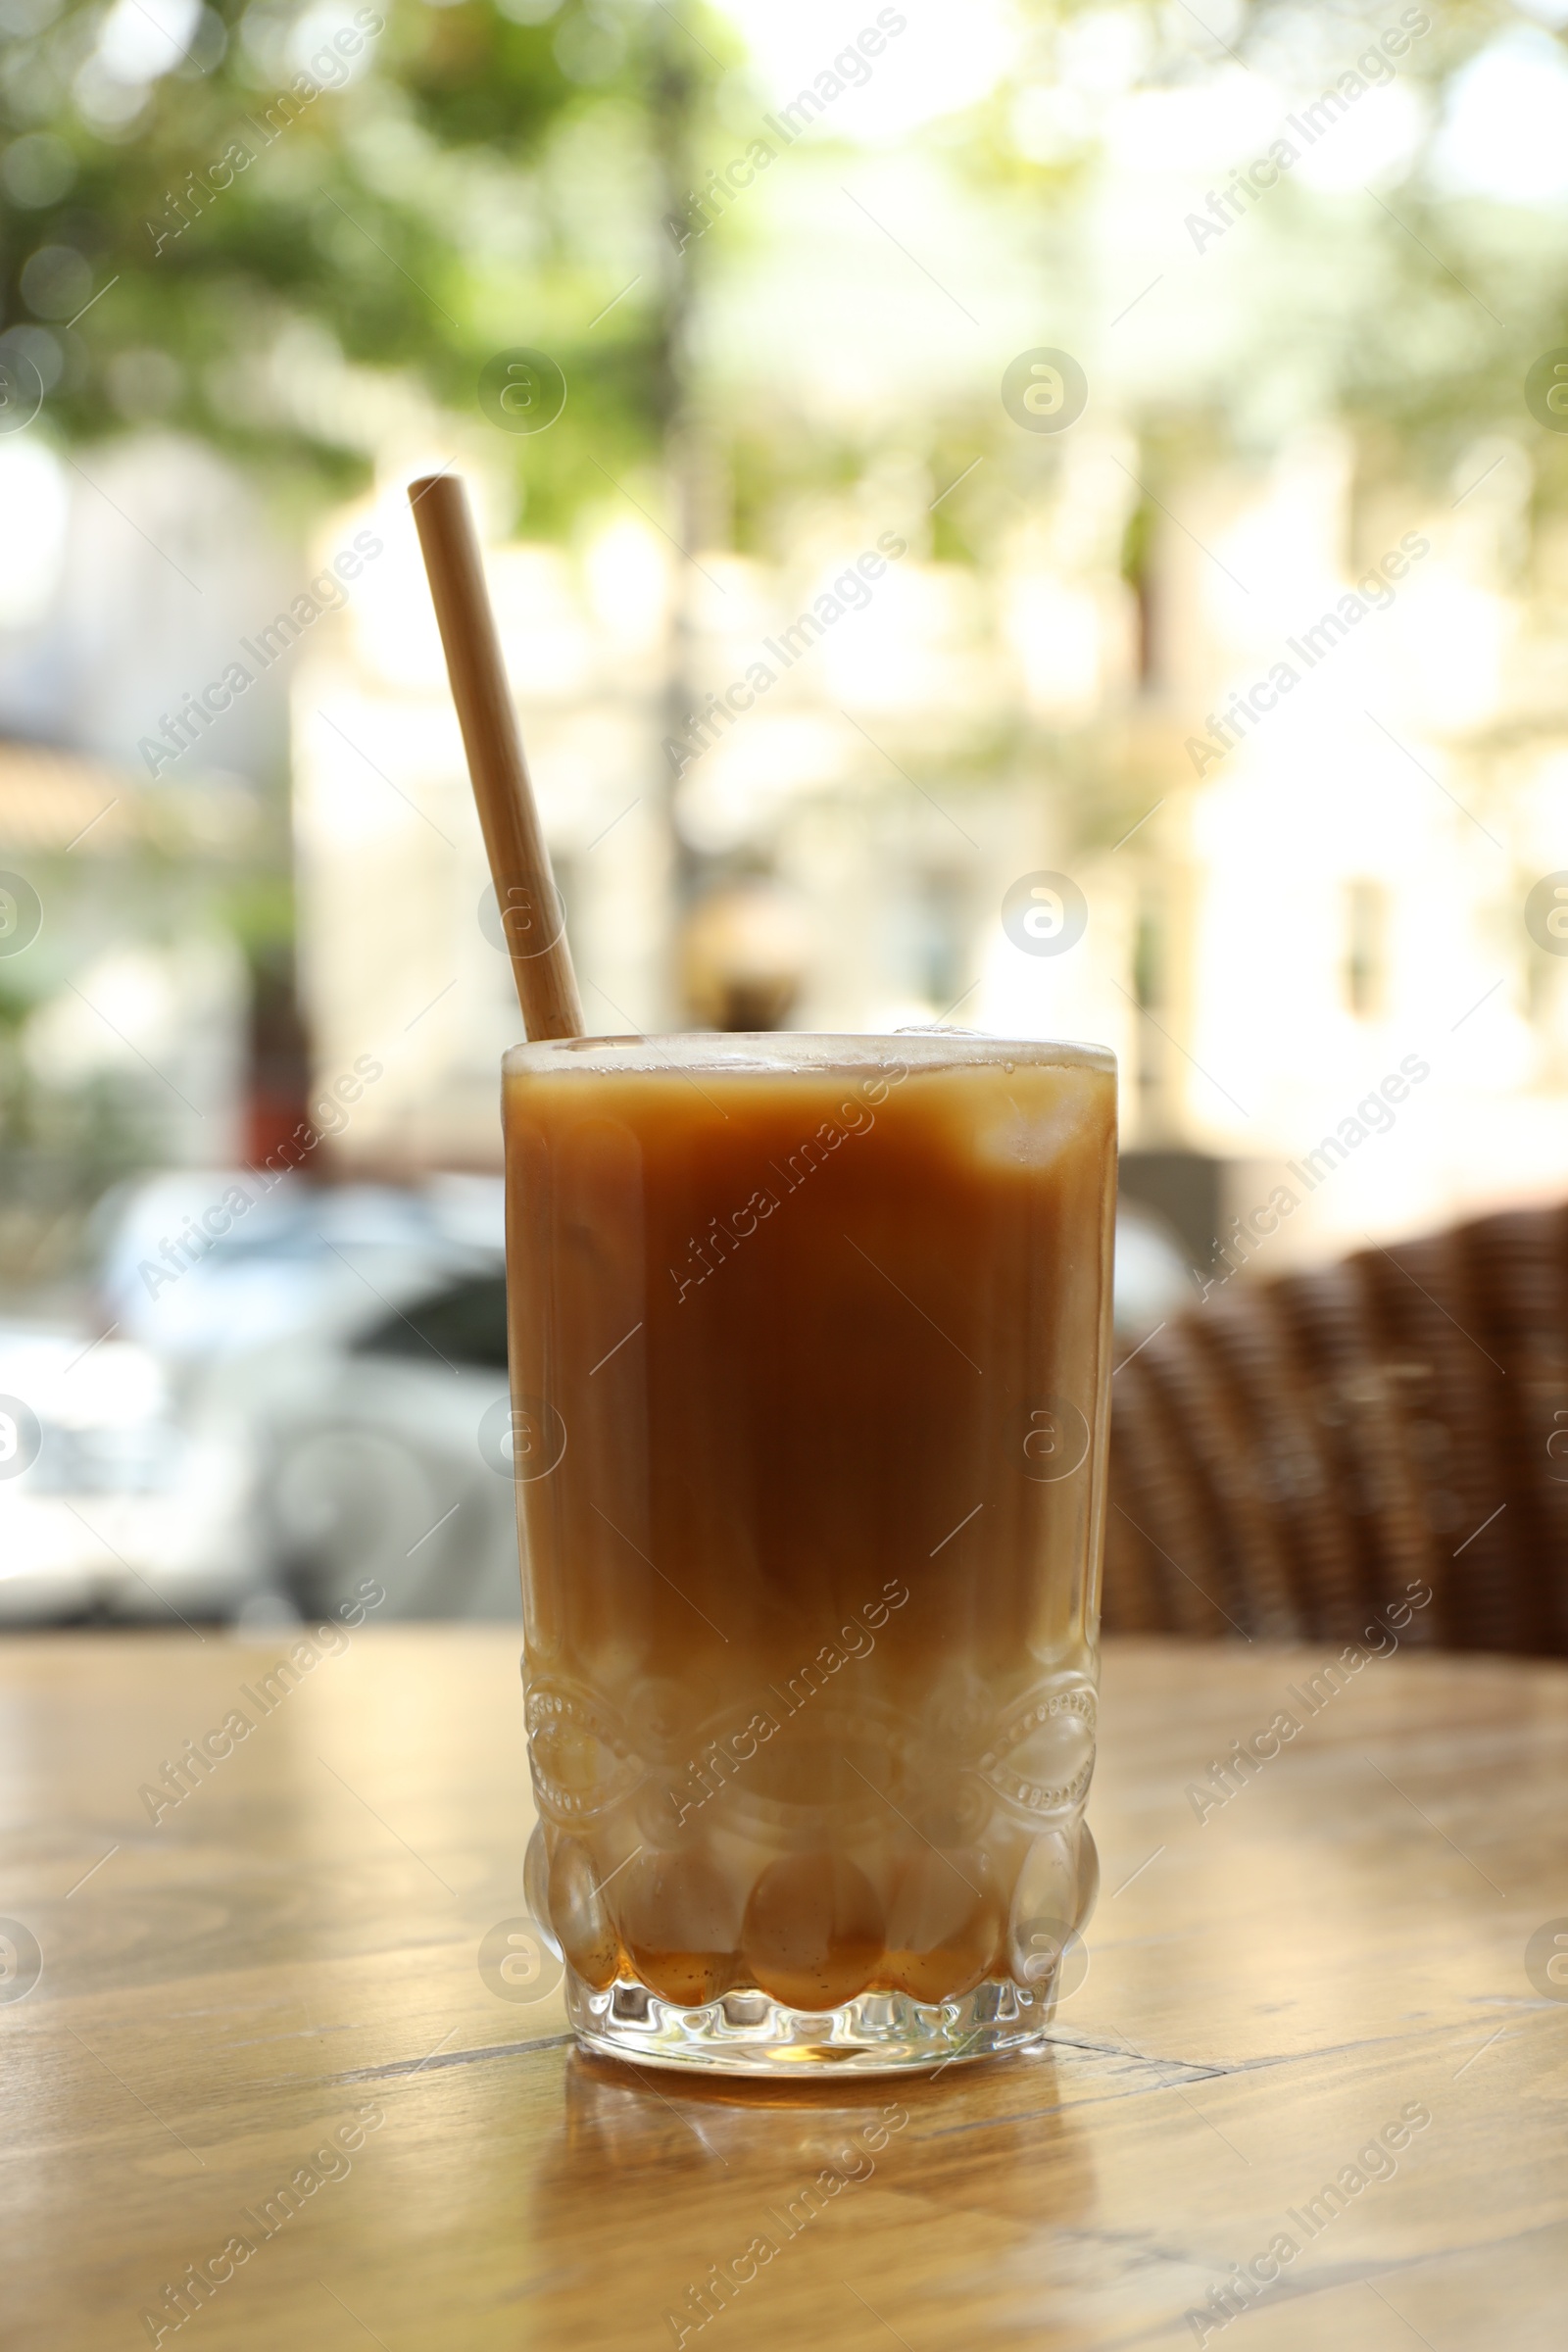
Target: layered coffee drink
point(810, 1362)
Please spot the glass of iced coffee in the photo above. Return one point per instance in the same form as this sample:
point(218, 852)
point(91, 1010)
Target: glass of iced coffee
point(809, 1364)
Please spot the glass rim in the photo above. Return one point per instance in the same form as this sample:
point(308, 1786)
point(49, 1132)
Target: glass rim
point(789, 1053)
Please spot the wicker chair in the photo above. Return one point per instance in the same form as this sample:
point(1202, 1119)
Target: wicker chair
point(1290, 1457)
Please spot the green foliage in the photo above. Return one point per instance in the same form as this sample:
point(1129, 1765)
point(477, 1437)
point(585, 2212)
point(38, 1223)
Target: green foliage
point(279, 265)
point(1410, 313)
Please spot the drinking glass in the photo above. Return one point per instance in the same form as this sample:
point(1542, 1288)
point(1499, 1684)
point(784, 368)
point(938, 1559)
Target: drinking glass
point(809, 1343)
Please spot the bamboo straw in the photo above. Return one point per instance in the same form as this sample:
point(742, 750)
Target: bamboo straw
point(531, 915)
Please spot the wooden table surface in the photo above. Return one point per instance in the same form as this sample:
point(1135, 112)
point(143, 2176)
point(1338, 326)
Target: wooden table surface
point(278, 1983)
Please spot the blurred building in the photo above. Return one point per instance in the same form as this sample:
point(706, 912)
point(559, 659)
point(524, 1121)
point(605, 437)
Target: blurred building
point(123, 996)
point(135, 567)
point(882, 765)
point(143, 883)
point(1345, 999)
point(1295, 890)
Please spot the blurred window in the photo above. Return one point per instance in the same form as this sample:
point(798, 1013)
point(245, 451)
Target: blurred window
point(1148, 978)
point(465, 1325)
point(1366, 926)
point(1148, 962)
point(1542, 975)
point(1138, 572)
point(944, 933)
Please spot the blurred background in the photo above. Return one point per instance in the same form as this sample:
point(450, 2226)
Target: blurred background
point(1049, 519)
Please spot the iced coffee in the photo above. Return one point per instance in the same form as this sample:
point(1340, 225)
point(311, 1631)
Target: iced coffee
point(809, 1360)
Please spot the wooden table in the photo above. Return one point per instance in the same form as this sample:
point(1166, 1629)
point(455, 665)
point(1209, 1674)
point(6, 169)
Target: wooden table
point(229, 1996)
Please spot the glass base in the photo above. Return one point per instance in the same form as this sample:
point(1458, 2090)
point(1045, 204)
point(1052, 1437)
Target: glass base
point(752, 2033)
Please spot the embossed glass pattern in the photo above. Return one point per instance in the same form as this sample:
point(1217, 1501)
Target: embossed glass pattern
point(809, 1360)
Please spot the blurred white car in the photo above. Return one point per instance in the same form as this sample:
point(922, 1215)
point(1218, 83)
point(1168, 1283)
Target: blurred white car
point(205, 1264)
point(383, 1437)
point(313, 1395)
point(382, 1449)
point(109, 1503)
point(354, 1339)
